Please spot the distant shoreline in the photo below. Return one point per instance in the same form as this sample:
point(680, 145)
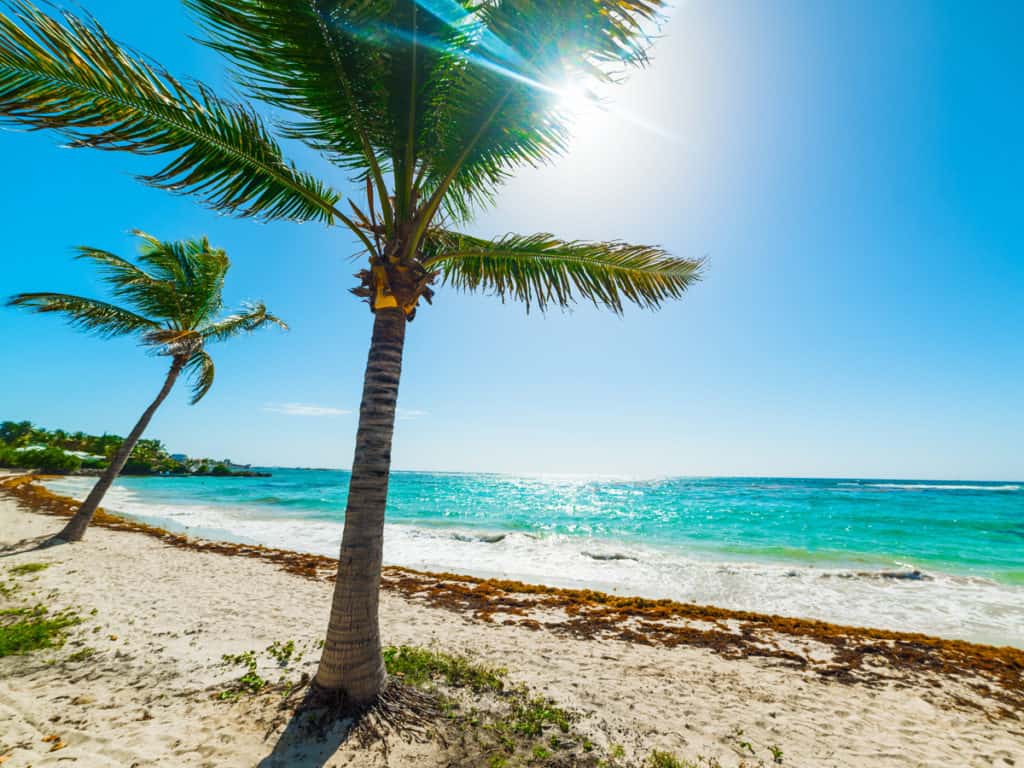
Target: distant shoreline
point(230, 473)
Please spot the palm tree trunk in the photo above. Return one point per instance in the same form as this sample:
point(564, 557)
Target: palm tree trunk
point(351, 665)
point(75, 529)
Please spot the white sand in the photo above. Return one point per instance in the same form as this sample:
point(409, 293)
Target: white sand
point(164, 617)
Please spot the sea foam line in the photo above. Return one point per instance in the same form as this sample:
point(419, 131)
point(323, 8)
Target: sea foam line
point(950, 606)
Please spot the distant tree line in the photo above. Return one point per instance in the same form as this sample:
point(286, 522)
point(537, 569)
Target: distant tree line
point(24, 445)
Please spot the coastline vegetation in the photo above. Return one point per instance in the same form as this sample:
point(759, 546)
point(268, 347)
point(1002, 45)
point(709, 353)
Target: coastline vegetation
point(24, 445)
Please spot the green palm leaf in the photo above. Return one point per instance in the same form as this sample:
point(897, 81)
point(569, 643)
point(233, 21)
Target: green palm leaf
point(543, 270)
point(449, 95)
point(97, 317)
point(148, 294)
point(297, 55)
point(253, 317)
point(497, 102)
point(74, 78)
point(193, 271)
point(200, 369)
point(356, 74)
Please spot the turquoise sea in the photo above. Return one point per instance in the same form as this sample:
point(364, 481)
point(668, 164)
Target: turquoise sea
point(940, 557)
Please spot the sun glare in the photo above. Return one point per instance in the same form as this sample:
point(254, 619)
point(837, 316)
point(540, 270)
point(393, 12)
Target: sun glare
point(576, 99)
point(584, 109)
point(591, 114)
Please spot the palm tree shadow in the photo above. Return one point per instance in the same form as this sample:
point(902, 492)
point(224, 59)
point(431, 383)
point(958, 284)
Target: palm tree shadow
point(30, 545)
point(306, 743)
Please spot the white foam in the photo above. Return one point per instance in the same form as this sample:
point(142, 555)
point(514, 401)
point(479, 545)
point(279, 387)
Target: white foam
point(938, 486)
point(949, 606)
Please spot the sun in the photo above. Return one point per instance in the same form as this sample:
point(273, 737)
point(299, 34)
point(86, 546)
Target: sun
point(592, 115)
point(583, 108)
point(576, 98)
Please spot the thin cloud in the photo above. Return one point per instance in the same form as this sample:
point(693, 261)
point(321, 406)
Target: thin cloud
point(304, 409)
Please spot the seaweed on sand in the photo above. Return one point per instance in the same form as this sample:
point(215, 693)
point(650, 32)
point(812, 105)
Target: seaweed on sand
point(851, 655)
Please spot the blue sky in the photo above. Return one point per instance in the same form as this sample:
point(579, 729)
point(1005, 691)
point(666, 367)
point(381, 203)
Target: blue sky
point(851, 171)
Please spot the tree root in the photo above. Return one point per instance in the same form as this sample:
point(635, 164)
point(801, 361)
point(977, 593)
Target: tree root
point(402, 710)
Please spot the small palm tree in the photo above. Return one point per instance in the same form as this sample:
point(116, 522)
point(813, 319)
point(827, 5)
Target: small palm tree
point(172, 303)
point(430, 107)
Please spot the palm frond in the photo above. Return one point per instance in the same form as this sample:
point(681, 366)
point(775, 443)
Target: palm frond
point(450, 96)
point(355, 74)
point(199, 369)
point(317, 59)
point(72, 77)
point(543, 270)
point(97, 317)
point(146, 293)
point(253, 317)
point(195, 272)
point(174, 342)
point(496, 105)
point(114, 270)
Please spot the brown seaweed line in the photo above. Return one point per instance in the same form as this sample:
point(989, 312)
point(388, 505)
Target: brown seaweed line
point(858, 654)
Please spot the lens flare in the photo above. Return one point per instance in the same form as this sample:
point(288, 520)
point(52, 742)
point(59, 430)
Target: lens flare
point(573, 99)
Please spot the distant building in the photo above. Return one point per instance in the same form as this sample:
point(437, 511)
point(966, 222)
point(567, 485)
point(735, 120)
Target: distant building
point(80, 454)
point(87, 456)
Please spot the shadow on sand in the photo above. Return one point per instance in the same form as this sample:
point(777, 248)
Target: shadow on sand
point(311, 738)
point(30, 545)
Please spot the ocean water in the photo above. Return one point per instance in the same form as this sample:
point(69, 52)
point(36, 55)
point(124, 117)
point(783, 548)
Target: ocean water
point(839, 550)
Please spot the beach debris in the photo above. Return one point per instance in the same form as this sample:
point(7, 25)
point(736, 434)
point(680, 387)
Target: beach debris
point(609, 556)
point(484, 538)
point(901, 575)
point(55, 742)
point(904, 575)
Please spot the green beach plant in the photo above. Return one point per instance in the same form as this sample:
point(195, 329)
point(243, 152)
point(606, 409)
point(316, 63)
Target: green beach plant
point(171, 301)
point(49, 460)
point(429, 107)
point(24, 630)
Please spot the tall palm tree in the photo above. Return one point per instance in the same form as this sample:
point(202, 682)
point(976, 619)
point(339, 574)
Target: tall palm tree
point(172, 303)
point(428, 105)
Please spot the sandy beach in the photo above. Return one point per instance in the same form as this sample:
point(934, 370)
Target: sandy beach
point(137, 681)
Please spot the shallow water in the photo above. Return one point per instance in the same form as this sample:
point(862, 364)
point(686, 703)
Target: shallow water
point(819, 548)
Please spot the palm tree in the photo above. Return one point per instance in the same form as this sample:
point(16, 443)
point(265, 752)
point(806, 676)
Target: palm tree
point(172, 303)
point(428, 105)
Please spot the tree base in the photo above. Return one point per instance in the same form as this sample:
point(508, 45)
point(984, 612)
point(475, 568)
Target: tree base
point(400, 708)
point(71, 534)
